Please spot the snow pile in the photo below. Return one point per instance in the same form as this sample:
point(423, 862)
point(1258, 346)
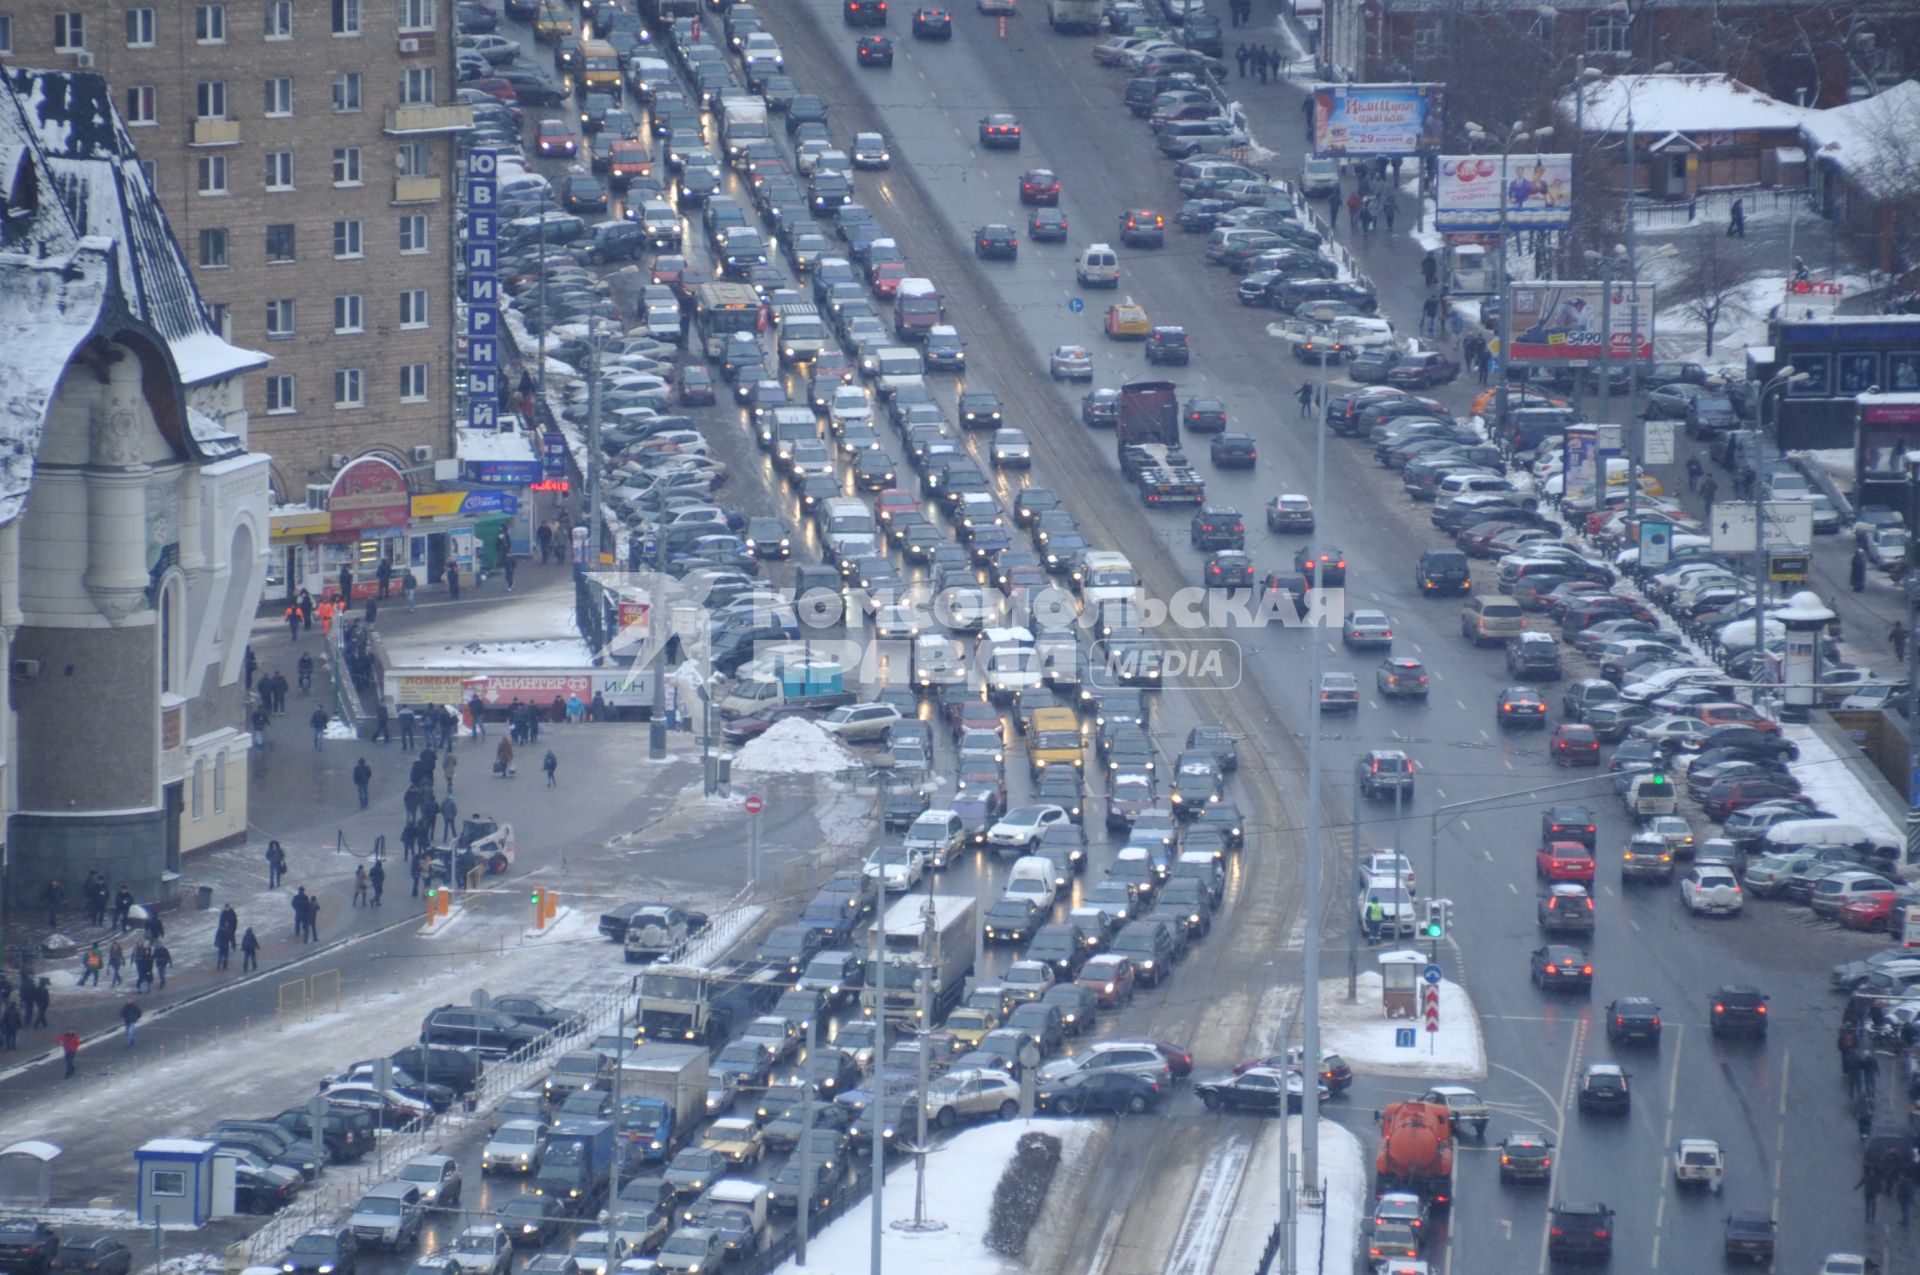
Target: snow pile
point(1827, 780)
point(1362, 1034)
point(794, 746)
point(1343, 1168)
point(338, 729)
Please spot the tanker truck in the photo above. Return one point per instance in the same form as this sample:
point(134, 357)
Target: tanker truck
point(1416, 1152)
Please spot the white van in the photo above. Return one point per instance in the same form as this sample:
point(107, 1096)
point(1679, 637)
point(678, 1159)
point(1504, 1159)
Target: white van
point(1319, 176)
point(1098, 267)
point(1032, 878)
point(847, 527)
point(750, 1198)
point(1107, 577)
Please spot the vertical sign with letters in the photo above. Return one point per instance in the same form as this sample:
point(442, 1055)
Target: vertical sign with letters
point(483, 289)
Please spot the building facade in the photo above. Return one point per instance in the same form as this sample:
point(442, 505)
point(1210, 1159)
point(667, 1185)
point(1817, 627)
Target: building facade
point(304, 152)
point(133, 517)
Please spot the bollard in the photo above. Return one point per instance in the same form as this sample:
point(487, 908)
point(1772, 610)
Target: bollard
point(553, 904)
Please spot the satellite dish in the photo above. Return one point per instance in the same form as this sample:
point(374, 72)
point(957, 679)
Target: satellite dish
point(480, 999)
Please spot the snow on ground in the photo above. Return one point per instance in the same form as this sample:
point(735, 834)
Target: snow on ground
point(1362, 1034)
point(794, 746)
point(337, 729)
point(961, 1175)
point(536, 631)
point(1828, 781)
point(1343, 1170)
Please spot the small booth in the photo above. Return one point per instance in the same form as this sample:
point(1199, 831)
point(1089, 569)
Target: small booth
point(26, 1173)
point(1805, 618)
point(174, 1182)
point(1400, 982)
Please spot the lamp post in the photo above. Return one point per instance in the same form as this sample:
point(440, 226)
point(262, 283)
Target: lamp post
point(1516, 133)
point(1310, 1018)
point(1784, 377)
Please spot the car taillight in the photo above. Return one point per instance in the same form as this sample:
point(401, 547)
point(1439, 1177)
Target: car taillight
point(1719, 1009)
point(1601, 1234)
point(1761, 1010)
point(1656, 1022)
point(1587, 969)
point(1553, 969)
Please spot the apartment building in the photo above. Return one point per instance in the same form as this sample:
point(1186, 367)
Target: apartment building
point(304, 152)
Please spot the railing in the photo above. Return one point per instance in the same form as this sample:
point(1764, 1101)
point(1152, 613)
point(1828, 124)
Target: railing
point(1716, 206)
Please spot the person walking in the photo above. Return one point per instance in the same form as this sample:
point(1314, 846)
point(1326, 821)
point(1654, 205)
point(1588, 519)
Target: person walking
point(453, 582)
point(123, 909)
point(42, 1001)
point(406, 729)
point(130, 1018)
point(1857, 571)
point(53, 894)
point(415, 867)
point(299, 905)
point(1869, 1184)
point(1240, 57)
point(313, 918)
point(447, 766)
point(1260, 63)
point(551, 764)
point(1737, 220)
point(142, 966)
point(477, 713)
point(249, 951)
point(162, 962)
point(116, 961)
point(222, 948)
point(360, 886)
point(318, 721)
point(408, 586)
point(506, 569)
point(1430, 270)
point(1305, 395)
point(1391, 208)
point(70, 1047)
point(1694, 472)
point(377, 880)
point(384, 574)
point(449, 814)
point(1708, 489)
point(276, 864)
point(1376, 916)
point(1333, 210)
point(1899, 637)
point(91, 962)
point(362, 777)
point(1354, 203)
point(10, 1023)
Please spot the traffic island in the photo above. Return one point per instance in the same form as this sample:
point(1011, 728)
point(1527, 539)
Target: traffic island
point(1446, 1045)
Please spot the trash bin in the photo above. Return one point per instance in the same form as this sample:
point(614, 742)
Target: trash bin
point(203, 897)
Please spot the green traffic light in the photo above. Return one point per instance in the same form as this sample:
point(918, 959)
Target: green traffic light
point(536, 897)
point(1433, 929)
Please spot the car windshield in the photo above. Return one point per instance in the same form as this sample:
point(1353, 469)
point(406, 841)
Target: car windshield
point(313, 1246)
point(420, 1173)
point(509, 1136)
point(380, 1206)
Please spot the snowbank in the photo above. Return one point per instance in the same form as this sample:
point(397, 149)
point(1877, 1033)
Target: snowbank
point(961, 1175)
point(1828, 781)
point(1343, 1171)
point(1362, 1034)
point(794, 746)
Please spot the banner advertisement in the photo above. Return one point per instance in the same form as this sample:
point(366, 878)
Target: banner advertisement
point(1377, 119)
point(1582, 468)
point(483, 315)
point(1537, 191)
point(1560, 322)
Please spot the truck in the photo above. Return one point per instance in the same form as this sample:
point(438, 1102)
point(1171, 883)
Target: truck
point(1074, 16)
point(690, 1003)
point(782, 688)
point(946, 946)
point(663, 1094)
point(743, 121)
point(1416, 1152)
point(578, 1165)
point(1147, 437)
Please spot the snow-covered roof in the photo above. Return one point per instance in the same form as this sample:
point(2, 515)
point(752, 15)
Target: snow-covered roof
point(1684, 104)
point(489, 444)
point(1874, 141)
point(49, 306)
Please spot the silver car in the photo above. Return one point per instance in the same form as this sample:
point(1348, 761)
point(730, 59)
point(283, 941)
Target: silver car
point(1368, 628)
point(1011, 450)
point(1071, 363)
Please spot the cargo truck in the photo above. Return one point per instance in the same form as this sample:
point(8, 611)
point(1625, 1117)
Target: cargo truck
point(578, 1164)
point(1416, 1152)
point(912, 944)
point(692, 1003)
point(1147, 437)
point(663, 1094)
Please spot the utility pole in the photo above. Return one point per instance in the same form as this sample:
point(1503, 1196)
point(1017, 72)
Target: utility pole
point(658, 624)
point(927, 958)
point(879, 1149)
point(546, 320)
point(1353, 931)
point(593, 446)
point(1289, 1260)
point(619, 1133)
point(806, 1171)
point(1310, 1094)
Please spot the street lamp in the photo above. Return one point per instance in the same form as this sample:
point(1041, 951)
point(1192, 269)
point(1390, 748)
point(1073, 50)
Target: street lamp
point(1515, 134)
point(1784, 377)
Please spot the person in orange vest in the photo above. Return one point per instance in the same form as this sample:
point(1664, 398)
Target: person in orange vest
point(325, 612)
point(293, 623)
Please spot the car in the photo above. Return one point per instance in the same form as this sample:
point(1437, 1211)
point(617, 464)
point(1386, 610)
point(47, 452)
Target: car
point(1566, 908)
point(1579, 1230)
point(1574, 744)
point(1168, 345)
point(554, 137)
point(1712, 889)
point(932, 24)
point(27, 1245)
point(1738, 1010)
point(1401, 677)
point(996, 242)
point(1339, 692)
point(1564, 861)
point(1290, 511)
point(1401, 1212)
point(1216, 527)
point(1261, 1089)
point(1110, 977)
point(1142, 228)
point(1423, 369)
point(1127, 320)
point(1520, 706)
point(1022, 827)
point(1525, 1157)
point(1000, 131)
point(1039, 186)
point(1325, 568)
point(1750, 1235)
point(96, 1255)
point(1699, 1162)
point(1233, 450)
point(1605, 1089)
point(1071, 363)
point(1230, 569)
point(1466, 1110)
point(1047, 225)
point(436, 1176)
point(326, 1250)
point(1204, 414)
point(1560, 968)
point(1367, 629)
point(873, 50)
point(1083, 1093)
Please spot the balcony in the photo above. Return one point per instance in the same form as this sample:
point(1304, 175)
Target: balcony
point(414, 121)
point(216, 133)
point(416, 190)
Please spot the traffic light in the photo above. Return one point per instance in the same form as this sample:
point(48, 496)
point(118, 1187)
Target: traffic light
point(536, 897)
point(1436, 927)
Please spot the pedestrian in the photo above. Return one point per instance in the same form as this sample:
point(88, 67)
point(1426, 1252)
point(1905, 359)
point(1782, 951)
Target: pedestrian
point(1708, 488)
point(385, 575)
point(155, 927)
point(249, 951)
point(319, 723)
point(1240, 56)
point(1305, 395)
point(1899, 639)
point(506, 568)
point(1333, 210)
point(407, 587)
point(1482, 361)
point(142, 965)
point(130, 1017)
point(222, 948)
point(1354, 202)
point(503, 759)
point(576, 710)
point(360, 886)
point(313, 918)
point(91, 962)
point(1694, 471)
point(453, 582)
point(1391, 207)
point(53, 894)
point(123, 909)
point(1430, 270)
point(382, 725)
point(415, 867)
point(293, 619)
point(10, 1024)
point(1869, 1071)
point(377, 878)
point(1869, 1183)
point(42, 1001)
point(1863, 1119)
point(551, 764)
point(1737, 220)
point(1429, 315)
point(299, 905)
point(162, 962)
point(543, 535)
point(116, 961)
point(276, 864)
point(362, 776)
point(478, 715)
point(1376, 916)
point(70, 1046)
point(1857, 571)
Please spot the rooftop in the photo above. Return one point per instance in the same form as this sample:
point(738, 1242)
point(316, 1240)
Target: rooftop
point(1688, 105)
point(1874, 141)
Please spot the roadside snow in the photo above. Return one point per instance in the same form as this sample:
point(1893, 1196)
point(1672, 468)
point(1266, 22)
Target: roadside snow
point(1827, 780)
point(338, 729)
point(1362, 1034)
point(1343, 1170)
point(794, 746)
point(962, 1173)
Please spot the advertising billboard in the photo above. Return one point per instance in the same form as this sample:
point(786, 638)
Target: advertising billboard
point(483, 289)
point(1581, 467)
point(1536, 189)
point(1560, 322)
point(1378, 119)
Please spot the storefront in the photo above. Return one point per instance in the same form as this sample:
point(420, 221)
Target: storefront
point(291, 526)
point(364, 523)
point(498, 468)
point(460, 526)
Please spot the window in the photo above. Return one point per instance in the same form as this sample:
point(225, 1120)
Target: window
point(346, 165)
point(346, 238)
point(140, 104)
point(346, 91)
point(414, 159)
point(413, 383)
point(413, 232)
point(210, 23)
point(416, 15)
point(69, 32)
point(346, 17)
point(280, 242)
point(348, 390)
point(199, 802)
point(210, 99)
point(139, 28)
point(280, 319)
point(1426, 35)
point(220, 782)
point(212, 174)
point(1609, 33)
point(169, 632)
point(413, 308)
point(213, 249)
point(167, 1182)
point(279, 170)
point(279, 19)
point(6, 33)
point(279, 95)
point(416, 86)
point(280, 395)
point(222, 320)
point(347, 314)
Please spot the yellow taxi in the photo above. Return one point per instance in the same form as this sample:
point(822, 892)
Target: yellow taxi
point(1127, 320)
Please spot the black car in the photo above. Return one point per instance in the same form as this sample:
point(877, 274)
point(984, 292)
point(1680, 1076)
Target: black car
point(932, 24)
point(1633, 1019)
point(874, 50)
point(1168, 345)
point(1580, 1231)
point(26, 1246)
point(1000, 131)
point(1233, 451)
point(1525, 1157)
point(980, 409)
point(486, 1030)
point(1100, 409)
point(1204, 414)
point(1605, 1090)
point(1520, 706)
point(536, 1011)
point(1749, 1235)
point(1739, 1011)
point(1567, 823)
point(532, 1221)
point(326, 1250)
point(1255, 1089)
point(1082, 1092)
point(996, 242)
point(1217, 527)
point(1558, 967)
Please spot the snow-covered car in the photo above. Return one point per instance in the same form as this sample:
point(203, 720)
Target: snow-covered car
point(1071, 363)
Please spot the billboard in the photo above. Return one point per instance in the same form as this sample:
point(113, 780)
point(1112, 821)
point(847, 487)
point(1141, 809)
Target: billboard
point(1537, 191)
point(1377, 119)
point(1581, 467)
point(1560, 322)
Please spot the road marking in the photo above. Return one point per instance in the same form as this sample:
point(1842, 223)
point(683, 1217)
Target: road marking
point(1462, 703)
point(1560, 1117)
point(1655, 1262)
point(1506, 1228)
point(1103, 1251)
point(1510, 885)
point(1786, 1069)
point(1673, 1076)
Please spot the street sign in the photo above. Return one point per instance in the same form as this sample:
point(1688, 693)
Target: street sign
point(1788, 568)
point(1432, 975)
point(1650, 442)
point(1789, 527)
point(1076, 304)
point(1433, 1022)
point(755, 805)
point(1403, 1038)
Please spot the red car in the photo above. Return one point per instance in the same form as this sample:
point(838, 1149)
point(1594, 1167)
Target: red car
point(1039, 186)
point(886, 279)
point(1871, 911)
point(892, 501)
point(1574, 744)
point(974, 714)
point(553, 137)
point(1110, 978)
point(1564, 861)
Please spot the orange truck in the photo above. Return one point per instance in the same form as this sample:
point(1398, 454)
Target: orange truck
point(1416, 1152)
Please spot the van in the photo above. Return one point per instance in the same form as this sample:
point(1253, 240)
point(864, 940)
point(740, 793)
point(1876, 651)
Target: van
point(748, 1200)
point(917, 308)
point(1491, 619)
point(1032, 877)
point(1098, 267)
point(1319, 176)
point(1649, 795)
point(847, 528)
point(1442, 571)
point(898, 366)
point(1106, 576)
point(1054, 739)
point(389, 1214)
point(1201, 865)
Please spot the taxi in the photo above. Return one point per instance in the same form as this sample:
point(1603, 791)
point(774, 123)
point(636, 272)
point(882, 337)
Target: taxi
point(1127, 320)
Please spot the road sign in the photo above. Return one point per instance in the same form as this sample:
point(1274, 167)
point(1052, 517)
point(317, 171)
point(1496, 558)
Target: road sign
point(1432, 975)
point(1433, 1022)
point(1650, 442)
point(1789, 527)
point(1403, 1038)
point(1076, 304)
point(755, 805)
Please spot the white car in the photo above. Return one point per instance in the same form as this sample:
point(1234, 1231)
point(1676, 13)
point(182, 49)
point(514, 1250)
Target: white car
point(1389, 864)
point(898, 867)
point(1368, 628)
point(857, 723)
point(1071, 363)
point(1024, 825)
point(1698, 1162)
point(763, 49)
point(1027, 980)
point(896, 620)
point(1011, 450)
point(496, 49)
point(848, 404)
point(1712, 889)
point(1842, 1264)
point(870, 152)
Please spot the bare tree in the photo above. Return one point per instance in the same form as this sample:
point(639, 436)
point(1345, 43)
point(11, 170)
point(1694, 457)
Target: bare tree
point(1714, 269)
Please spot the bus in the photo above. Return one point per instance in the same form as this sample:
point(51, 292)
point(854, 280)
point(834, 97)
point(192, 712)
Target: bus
point(722, 309)
point(601, 68)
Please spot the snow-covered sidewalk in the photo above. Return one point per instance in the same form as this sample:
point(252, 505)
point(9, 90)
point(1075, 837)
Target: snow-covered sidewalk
point(1370, 1042)
point(1343, 1172)
point(1827, 780)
